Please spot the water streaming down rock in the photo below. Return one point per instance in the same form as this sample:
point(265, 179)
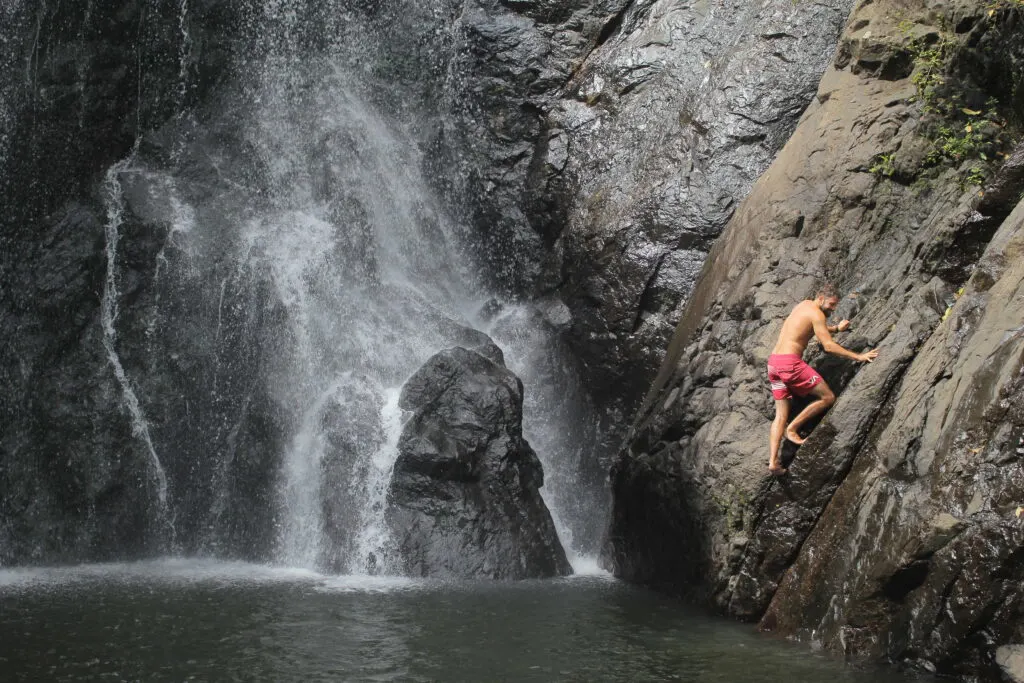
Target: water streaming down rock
point(275, 269)
point(374, 547)
point(362, 272)
point(11, 15)
point(558, 422)
point(108, 317)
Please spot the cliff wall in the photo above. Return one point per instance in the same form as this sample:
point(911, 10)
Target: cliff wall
point(895, 533)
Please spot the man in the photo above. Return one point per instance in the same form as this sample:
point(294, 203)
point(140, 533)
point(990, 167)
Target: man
point(789, 375)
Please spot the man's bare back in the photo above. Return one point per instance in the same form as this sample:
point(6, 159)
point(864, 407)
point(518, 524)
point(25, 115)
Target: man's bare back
point(788, 374)
point(806, 319)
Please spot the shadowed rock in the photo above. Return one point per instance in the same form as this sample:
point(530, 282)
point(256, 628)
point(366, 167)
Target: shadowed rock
point(894, 536)
point(464, 498)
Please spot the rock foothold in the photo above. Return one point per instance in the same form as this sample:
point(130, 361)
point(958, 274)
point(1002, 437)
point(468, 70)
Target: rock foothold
point(464, 499)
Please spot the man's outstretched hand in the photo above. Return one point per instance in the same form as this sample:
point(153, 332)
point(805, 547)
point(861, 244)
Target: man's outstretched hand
point(868, 356)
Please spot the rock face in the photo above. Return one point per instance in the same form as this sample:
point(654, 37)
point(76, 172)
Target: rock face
point(75, 483)
point(58, 391)
point(464, 497)
point(653, 142)
point(895, 533)
point(526, 114)
point(607, 145)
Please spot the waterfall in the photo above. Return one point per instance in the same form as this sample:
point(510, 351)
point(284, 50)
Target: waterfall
point(302, 490)
point(374, 544)
point(277, 266)
point(183, 53)
point(558, 422)
point(12, 14)
point(322, 273)
point(366, 277)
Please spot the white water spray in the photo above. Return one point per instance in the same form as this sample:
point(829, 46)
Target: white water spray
point(301, 533)
point(556, 414)
point(374, 544)
point(335, 273)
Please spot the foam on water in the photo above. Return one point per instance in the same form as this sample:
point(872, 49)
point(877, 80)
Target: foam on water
point(169, 570)
point(588, 566)
point(195, 571)
point(365, 583)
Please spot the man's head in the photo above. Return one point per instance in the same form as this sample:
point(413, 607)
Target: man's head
point(827, 298)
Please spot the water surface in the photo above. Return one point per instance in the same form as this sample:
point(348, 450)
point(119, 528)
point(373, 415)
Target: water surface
point(185, 620)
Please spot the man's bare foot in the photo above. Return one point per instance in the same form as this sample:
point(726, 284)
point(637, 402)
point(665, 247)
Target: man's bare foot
point(794, 437)
point(777, 470)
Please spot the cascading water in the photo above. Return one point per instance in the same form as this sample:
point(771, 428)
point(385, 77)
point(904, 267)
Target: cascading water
point(12, 15)
point(276, 268)
point(108, 317)
point(373, 541)
point(360, 279)
point(558, 422)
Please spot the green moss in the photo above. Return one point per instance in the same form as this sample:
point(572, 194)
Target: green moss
point(733, 503)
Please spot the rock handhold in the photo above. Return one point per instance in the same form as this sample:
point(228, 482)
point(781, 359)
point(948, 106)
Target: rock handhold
point(464, 499)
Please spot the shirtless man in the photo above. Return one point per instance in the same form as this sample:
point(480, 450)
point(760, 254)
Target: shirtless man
point(790, 375)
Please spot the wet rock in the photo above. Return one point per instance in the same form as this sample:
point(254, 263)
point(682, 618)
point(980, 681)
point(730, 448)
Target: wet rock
point(464, 497)
point(936, 485)
point(653, 142)
point(601, 148)
point(894, 535)
point(69, 463)
point(510, 60)
point(78, 480)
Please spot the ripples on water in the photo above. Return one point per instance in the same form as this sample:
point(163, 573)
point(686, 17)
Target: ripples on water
point(179, 620)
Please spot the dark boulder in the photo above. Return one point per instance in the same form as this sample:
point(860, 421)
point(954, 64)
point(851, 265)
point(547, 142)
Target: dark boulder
point(464, 498)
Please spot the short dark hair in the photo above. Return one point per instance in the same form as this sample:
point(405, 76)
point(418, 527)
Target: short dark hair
point(828, 290)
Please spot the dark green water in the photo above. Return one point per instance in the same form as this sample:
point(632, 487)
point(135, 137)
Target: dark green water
point(190, 620)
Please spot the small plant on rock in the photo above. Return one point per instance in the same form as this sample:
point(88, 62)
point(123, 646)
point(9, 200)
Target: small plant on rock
point(975, 176)
point(928, 74)
point(883, 165)
point(996, 5)
point(959, 133)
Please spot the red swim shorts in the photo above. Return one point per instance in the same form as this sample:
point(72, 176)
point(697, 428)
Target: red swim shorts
point(790, 375)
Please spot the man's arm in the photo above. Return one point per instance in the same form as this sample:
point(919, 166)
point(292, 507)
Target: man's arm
point(821, 331)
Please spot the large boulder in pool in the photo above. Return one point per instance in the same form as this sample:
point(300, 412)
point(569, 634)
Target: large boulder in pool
point(465, 494)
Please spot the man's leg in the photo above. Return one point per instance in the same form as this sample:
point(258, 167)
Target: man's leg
point(825, 398)
point(778, 430)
